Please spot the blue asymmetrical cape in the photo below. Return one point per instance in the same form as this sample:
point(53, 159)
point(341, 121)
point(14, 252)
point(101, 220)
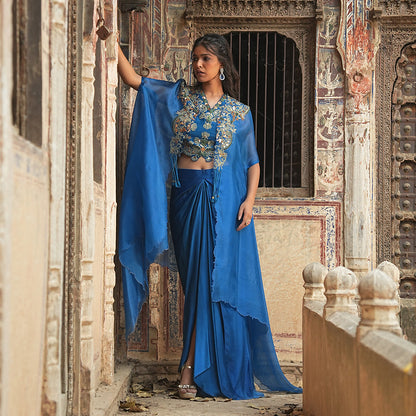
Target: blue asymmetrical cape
point(219, 267)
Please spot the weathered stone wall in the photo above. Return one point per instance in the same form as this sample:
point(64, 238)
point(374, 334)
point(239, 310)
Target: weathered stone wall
point(5, 189)
point(25, 196)
point(97, 205)
point(47, 365)
point(25, 316)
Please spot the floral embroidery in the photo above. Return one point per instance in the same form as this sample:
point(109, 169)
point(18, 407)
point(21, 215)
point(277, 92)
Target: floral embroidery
point(200, 147)
point(217, 121)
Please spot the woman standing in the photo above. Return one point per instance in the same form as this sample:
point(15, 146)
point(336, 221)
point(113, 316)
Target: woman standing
point(205, 138)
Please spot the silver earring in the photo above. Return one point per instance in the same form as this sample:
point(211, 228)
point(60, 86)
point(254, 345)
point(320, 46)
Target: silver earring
point(222, 76)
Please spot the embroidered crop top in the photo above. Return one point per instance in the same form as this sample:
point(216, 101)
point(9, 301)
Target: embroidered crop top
point(200, 145)
point(201, 122)
point(202, 131)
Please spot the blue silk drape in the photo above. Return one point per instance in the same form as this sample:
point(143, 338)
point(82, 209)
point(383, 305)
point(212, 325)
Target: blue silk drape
point(234, 287)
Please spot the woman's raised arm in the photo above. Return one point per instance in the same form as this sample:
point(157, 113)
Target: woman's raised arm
point(127, 72)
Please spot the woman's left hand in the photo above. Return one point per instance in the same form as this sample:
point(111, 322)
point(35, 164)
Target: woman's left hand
point(245, 214)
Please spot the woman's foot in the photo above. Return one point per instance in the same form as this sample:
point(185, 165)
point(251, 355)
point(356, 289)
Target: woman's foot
point(186, 388)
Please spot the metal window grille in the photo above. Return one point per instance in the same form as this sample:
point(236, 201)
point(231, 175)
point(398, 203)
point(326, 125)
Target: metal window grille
point(271, 84)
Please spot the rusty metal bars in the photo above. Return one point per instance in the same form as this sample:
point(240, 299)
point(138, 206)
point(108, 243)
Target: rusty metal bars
point(283, 116)
point(273, 95)
point(291, 116)
point(274, 109)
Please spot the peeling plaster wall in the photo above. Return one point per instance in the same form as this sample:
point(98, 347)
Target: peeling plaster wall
point(39, 355)
point(28, 204)
point(28, 270)
point(5, 189)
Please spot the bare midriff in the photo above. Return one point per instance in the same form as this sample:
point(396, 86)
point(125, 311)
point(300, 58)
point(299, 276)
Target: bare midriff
point(185, 162)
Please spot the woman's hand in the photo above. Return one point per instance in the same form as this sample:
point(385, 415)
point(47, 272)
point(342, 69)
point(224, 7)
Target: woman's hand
point(245, 214)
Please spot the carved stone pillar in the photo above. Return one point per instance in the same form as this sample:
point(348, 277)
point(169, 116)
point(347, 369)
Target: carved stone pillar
point(357, 44)
point(87, 226)
point(340, 290)
point(378, 304)
point(314, 276)
point(107, 372)
point(52, 388)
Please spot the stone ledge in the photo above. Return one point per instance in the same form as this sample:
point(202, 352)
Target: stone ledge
point(315, 306)
point(393, 350)
point(345, 321)
point(152, 371)
point(106, 400)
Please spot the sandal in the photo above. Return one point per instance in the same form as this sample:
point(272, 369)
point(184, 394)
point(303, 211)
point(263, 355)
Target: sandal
point(184, 389)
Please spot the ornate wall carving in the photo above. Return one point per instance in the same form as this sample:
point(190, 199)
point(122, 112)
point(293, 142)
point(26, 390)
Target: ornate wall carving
point(404, 169)
point(330, 103)
point(395, 33)
point(70, 324)
point(236, 9)
point(403, 10)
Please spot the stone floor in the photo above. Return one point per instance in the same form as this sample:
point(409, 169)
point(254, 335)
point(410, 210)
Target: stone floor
point(160, 398)
point(164, 405)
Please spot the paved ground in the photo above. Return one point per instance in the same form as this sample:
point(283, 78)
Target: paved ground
point(161, 399)
point(272, 405)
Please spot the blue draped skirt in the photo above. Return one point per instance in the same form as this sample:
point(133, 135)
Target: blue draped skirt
point(227, 361)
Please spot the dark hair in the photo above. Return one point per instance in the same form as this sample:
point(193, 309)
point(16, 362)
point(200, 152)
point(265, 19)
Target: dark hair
point(219, 46)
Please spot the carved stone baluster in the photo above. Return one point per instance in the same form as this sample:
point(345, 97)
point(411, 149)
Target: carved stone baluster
point(391, 270)
point(378, 304)
point(340, 290)
point(313, 276)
